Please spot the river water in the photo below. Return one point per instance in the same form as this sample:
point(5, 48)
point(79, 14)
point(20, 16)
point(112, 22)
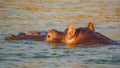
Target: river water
point(42, 15)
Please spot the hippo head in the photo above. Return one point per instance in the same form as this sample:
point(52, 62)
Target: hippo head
point(69, 33)
point(10, 37)
point(54, 36)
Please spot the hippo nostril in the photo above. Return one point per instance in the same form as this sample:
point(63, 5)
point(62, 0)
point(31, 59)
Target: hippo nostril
point(48, 36)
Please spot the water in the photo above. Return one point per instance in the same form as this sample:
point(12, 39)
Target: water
point(42, 15)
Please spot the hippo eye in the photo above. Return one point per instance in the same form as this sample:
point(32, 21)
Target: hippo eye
point(48, 36)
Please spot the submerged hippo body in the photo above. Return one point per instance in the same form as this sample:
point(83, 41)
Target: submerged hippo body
point(85, 36)
point(72, 36)
point(23, 36)
point(33, 33)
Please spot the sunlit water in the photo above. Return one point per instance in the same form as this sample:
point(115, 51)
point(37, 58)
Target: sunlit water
point(42, 15)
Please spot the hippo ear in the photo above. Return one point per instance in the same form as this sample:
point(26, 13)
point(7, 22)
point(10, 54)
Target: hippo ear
point(71, 30)
point(91, 26)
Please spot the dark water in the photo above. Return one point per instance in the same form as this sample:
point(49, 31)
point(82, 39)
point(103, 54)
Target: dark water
point(42, 15)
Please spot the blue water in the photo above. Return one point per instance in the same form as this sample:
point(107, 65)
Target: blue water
point(39, 15)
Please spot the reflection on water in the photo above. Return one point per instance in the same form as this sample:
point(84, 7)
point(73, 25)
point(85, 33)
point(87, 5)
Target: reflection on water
point(42, 15)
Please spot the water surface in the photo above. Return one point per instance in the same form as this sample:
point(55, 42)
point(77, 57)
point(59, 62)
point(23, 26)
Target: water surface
point(42, 15)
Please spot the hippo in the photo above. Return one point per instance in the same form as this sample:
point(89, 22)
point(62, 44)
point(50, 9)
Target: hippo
point(55, 36)
point(85, 36)
point(33, 33)
point(10, 37)
point(23, 36)
point(74, 36)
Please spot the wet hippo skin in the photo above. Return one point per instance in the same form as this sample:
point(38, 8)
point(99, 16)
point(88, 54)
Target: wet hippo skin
point(75, 36)
point(23, 36)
